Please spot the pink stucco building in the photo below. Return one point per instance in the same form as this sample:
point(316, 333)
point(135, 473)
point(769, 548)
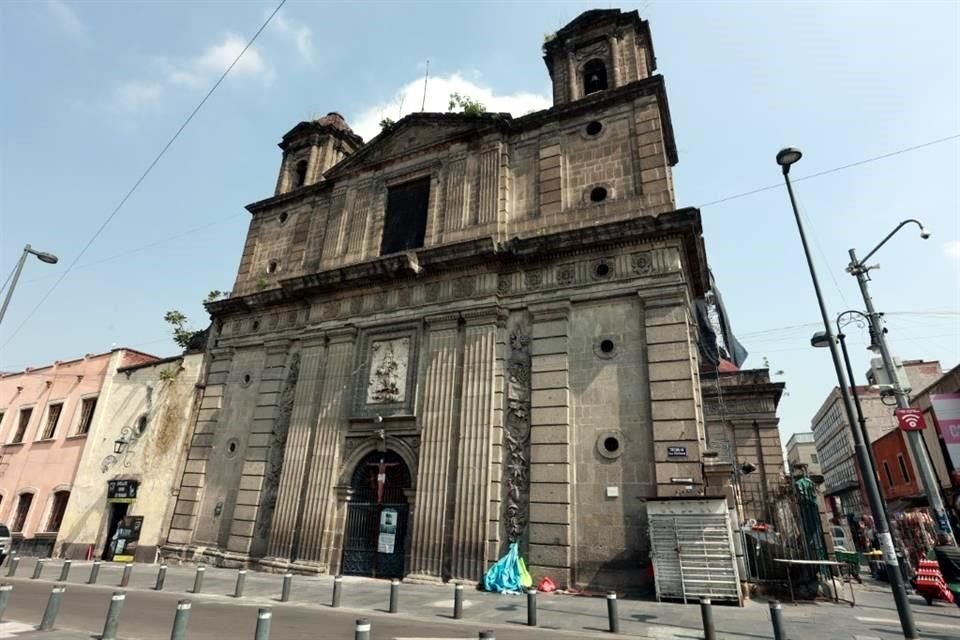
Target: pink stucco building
point(45, 419)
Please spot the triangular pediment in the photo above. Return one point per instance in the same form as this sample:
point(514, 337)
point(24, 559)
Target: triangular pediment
point(415, 132)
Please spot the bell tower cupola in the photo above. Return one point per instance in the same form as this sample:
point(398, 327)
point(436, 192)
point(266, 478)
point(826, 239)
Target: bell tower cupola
point(311, 148)
point(599, 50)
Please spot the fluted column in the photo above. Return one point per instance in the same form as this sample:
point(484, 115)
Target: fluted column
point(438, 420)
point(297, 449)
point(471, 512)
point(319, 498)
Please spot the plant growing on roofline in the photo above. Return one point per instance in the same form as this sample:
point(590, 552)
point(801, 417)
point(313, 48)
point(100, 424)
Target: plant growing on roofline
point(466, 104)
point(386, 124)
point(182, 335)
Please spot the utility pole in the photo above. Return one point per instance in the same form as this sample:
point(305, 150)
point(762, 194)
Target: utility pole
point(858, 269)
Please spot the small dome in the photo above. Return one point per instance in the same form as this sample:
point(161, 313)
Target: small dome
point(335, 120)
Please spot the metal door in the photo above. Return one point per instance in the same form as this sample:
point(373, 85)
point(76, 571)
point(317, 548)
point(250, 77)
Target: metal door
point(375, 535)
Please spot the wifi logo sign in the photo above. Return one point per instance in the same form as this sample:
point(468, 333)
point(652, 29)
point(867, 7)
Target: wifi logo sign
point(910, 419)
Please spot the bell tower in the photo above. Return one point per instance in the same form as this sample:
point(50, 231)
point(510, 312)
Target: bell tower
point(600, 50)
point(311, 148)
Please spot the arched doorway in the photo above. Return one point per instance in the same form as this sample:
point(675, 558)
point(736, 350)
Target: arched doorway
point(376, 528)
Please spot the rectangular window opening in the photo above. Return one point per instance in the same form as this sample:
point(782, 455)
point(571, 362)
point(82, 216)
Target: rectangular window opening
point(405, 223)
point(53, 417)
point(903, 469)
point(60, 499)
point(22, 425)
point(23, 509)
point(886, 468)
point(813, 458)
point(87, 408)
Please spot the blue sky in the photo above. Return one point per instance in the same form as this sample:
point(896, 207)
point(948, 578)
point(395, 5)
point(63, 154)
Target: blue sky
point(91, 91)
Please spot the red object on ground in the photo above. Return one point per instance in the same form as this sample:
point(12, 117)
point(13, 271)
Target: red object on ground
point(930, 583)
point(546, 585)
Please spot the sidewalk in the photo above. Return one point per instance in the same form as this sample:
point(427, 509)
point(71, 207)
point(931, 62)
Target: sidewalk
point(874, 617)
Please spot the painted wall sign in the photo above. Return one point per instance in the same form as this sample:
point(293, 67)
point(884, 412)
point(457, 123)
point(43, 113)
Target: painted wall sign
point(677, 452)
point(122, 490)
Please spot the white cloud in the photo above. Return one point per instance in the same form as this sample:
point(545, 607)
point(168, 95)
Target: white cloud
point(67, 20)
point(410, 96)
point(215, 59)
point(952, 249)
point(196, 72)
point(135, 96)
point(299, 33)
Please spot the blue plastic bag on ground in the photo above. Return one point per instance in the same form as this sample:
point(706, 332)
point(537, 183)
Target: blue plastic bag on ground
point(505, 575)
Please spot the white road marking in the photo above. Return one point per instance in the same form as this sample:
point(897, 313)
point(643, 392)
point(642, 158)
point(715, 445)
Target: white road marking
point(12, 629)
point(922, 623)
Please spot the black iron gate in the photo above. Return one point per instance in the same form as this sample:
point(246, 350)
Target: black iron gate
point(375, 534)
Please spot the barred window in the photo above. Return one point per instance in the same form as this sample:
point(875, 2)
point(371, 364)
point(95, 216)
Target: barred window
point(25, 415)
point(60, 499)
point(53, 417)
point(87, 407)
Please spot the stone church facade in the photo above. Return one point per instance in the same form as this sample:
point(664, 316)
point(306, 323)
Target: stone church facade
point(471, 330)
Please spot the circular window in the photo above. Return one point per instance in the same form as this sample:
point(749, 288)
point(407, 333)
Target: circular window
point(606, 347)
point(598, 194)
point(594, 128)
point(255, 325)
point(232, 446)
point(283, 217)
point(602, 270)
point(246, 379)
point(142, 425)
point(272, 266)
point(610, 445)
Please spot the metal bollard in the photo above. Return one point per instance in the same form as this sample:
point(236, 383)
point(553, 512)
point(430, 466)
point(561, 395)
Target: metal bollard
point(179, 631)
point(94, 572)
point(38, 569)
point(361, 630)
point(5, 590)
point(487, 635)
point(65, 570)
point(161, 578)
point(14, 563)
point(53, 608)
point(706, 613)
point(241, 581)
point(113, 616)
point(394, 596)
point(285, 591)
point(198, 580)
point(127, 572)
point(776, 617)
point(337, 585)
point(457, 601)
point(531, 607)
point(264, 616)
point(612, 612)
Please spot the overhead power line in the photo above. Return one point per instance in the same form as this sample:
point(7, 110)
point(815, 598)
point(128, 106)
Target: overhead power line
point(833, 170)
point(147, 171)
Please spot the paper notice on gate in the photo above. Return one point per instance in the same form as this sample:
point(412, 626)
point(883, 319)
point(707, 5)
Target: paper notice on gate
point(385, 542)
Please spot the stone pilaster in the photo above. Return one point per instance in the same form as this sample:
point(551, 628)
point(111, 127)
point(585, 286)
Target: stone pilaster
point(438, 419)
point(299, 444)
point(182, 526)
point(474, 448)
point(247, 503)
point(673, 396)
point(319, 500)
point(552, 511)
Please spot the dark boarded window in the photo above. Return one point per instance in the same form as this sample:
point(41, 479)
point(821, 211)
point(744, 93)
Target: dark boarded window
point(301, 171)
point(406, 219)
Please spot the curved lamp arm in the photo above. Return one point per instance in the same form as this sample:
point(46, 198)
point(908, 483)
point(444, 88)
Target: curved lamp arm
point(923, 234)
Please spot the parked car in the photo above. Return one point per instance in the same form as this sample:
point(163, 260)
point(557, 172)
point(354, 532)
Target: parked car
point(5, 541)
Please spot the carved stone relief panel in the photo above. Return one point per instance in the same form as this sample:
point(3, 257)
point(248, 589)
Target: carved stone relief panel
point(516, 468)
point(385, 383)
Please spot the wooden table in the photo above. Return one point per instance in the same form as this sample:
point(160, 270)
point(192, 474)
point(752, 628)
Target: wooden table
point(829, 563)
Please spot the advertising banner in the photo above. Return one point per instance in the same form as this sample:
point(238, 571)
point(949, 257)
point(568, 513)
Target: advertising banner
point(946, 412)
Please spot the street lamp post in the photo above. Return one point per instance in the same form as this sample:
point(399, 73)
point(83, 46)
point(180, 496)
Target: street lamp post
point(42, 256)
point(786, 158)
point(860, 270)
